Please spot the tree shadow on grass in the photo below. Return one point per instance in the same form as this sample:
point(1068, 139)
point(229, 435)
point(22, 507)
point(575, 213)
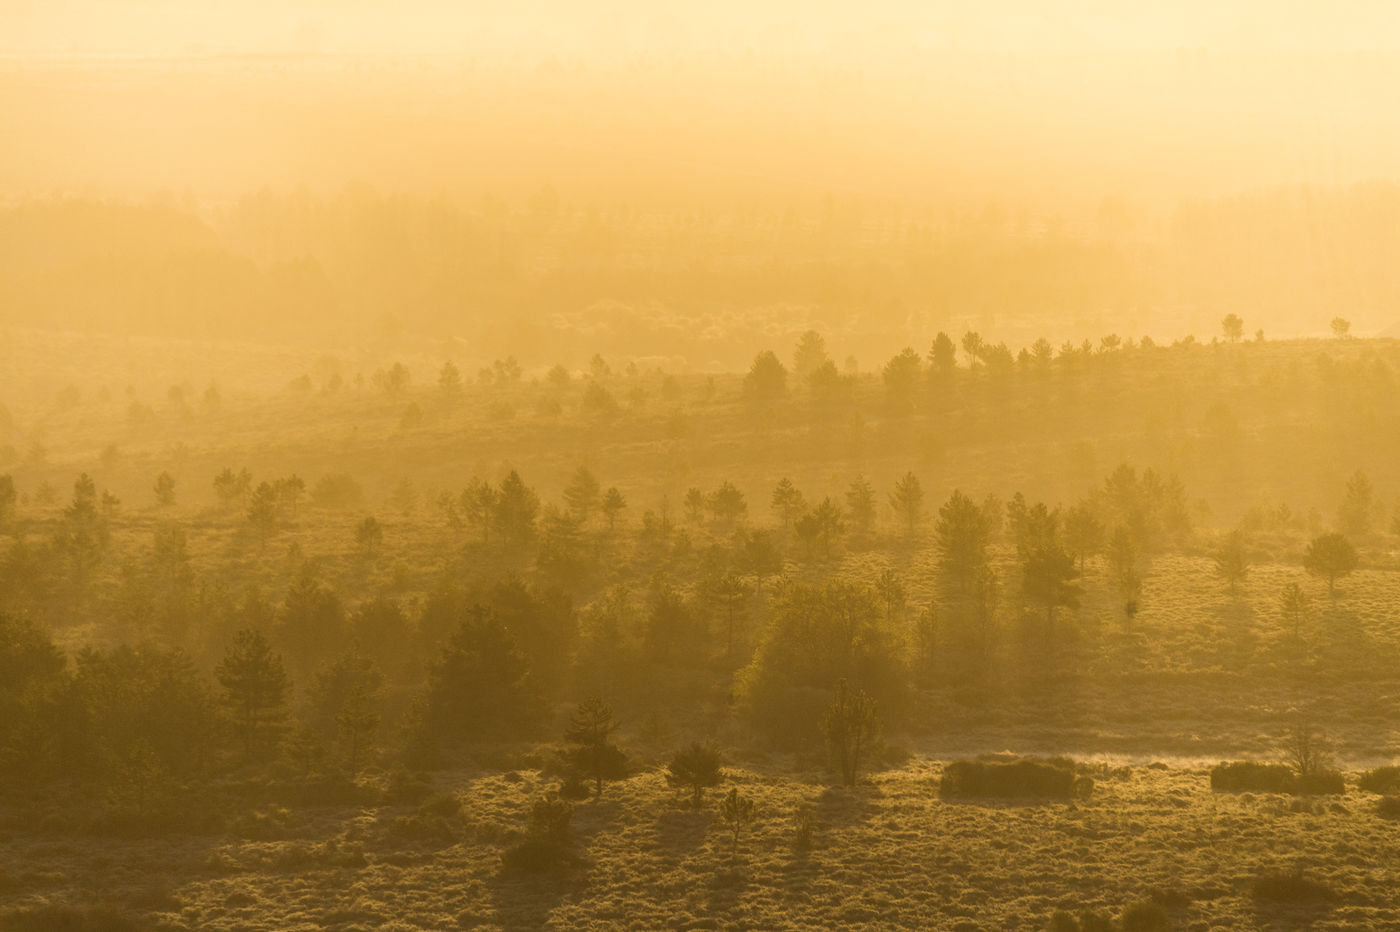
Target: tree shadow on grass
point(526, 901)
point(846, 806)
point(683, 827)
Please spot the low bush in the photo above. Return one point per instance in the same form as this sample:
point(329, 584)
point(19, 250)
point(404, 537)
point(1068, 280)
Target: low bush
point(1322, 783)
point(1025, 777)
point(1243, 776)
point(1388, 807)
point(1382, 780)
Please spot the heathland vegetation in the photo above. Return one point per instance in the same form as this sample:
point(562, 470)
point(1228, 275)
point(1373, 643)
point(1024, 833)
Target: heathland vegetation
point(620, 645)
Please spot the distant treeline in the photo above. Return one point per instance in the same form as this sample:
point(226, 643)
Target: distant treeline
point(552, 276)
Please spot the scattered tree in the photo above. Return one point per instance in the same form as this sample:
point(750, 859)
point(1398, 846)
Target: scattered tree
point(165, 490)
point(1331, 556)
point(738, 812)
point(593, 755)
point(852, 728)
point(369, 536)
point(1232, 561)
point(907, 500)
point(695, 767)
point(1233, 326)
point(255, 690)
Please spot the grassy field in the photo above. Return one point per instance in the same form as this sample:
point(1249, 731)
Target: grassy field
point(887, 853)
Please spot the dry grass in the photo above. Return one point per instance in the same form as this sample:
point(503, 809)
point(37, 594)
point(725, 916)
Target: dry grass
point(886, 854)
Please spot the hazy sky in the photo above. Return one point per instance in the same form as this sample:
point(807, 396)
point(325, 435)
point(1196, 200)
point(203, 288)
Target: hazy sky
point(1052, 103)
point(638, 26)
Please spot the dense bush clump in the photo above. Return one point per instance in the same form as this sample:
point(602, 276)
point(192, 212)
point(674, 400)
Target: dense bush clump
point(1251, 776)
point(1388, 807)
point(1381, 780)
point(1026, 777)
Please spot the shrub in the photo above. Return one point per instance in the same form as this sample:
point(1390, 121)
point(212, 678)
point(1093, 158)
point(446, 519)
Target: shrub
point(1388, 807)
point(1244, 776)
point(1321, 783)
point(1292, 887)
point(1025, 777)
point(1381, 780)
point(1251, 776)
point(546, 844)
point(695, 768)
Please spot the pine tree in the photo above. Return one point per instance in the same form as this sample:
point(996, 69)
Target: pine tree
point(593, 755)
point(255, 689)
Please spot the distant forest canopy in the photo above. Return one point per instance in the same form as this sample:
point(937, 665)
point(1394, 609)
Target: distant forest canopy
point(554, 281)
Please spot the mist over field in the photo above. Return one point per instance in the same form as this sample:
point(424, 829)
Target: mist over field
point(727, 466)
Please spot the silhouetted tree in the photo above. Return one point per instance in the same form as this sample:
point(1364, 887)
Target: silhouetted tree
point(1232, 560)
point(788, 502)
point(1122, 561)
point(942, 358)
point(369, 536)
point(695, 767)
point(290, 491)
point(901, 375)
point(450, 380)
point(907, 500)
point(165, 490)
point(694, 505)
point(767, 378)
point(726, 503)
point(581, 494)
point(860, 505)
point(1233, 327)
point(255, 690)
point(480, 685)
point(1296, 610)
point(810, 354)
point(729, 594)
point(231, 487)
point(345, 700)
point(478, 501)
point(394, 380)
point(1047, 577)
point(1331, 556)
point(852, 729)
point(311, 622)
point(514, 511)
point(262, 513)
point(593, 755)
point(739, 813)
point(1340, 328)
point(962, 541)
point(613, 505)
